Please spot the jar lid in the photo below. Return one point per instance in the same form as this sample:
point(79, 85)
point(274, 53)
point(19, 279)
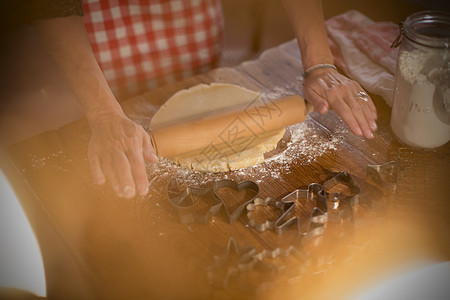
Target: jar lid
point(428, 28)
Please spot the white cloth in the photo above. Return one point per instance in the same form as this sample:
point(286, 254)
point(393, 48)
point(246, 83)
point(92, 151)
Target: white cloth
point(361, 50)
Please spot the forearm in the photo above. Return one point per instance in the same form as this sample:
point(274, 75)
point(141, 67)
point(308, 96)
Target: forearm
point(66, 40)
point(307, 20)
point(118, 147)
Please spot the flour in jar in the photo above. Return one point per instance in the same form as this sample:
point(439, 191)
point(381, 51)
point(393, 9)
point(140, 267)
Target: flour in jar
point(421, 110)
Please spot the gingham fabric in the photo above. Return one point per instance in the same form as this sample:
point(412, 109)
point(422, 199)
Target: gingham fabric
point(143, 44)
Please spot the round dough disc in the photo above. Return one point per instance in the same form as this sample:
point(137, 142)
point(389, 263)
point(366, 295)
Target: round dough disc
point(202, 100)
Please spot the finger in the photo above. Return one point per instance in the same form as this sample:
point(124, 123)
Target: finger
point(111, 176)
point(147, 150)
point(319, 102)
point(359, 103)
point(346, 114)
point(369, 103)
point(356, 105)
point(124, 175)
point(96, 169)
point(371, 110)
point(363, 100)
point(371, 107)
point(370, 116)
point(137, 164)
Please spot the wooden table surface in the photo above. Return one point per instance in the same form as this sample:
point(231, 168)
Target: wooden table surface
point(139, 249)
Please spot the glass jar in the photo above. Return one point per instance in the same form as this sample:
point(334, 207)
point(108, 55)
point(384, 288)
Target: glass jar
point(421, 109)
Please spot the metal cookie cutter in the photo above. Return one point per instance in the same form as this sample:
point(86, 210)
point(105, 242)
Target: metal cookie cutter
point(188, 205)
point(380, 185)
point(235, 260)
point(233, 214)
point(258, 278)
point(191, 203)
point(339, 191)
point(294, 211)
point(342, 184)
point(271, 255)
point(262, 213)
point(242, 264)
point(384, 175)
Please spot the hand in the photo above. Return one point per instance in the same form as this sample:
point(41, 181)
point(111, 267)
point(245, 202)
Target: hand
point(327, 88)
point(117, 150)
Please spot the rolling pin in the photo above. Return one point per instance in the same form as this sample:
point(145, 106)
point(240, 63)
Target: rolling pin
point(221, 127)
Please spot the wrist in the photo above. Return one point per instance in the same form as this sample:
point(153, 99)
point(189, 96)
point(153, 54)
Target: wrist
point(315, 68)
point(99, 105)
point(104, 116)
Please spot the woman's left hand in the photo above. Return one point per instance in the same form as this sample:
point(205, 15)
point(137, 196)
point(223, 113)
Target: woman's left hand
point(328, 89)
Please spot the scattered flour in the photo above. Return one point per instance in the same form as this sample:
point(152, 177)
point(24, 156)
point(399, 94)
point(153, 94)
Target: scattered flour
point(39, 162)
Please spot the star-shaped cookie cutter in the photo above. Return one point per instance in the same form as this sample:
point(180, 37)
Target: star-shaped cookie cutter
point(243, 264)
point(384, 175)
point(188, 209)
point(258, 278)
point(293, 210)
point(380, 186)
point(235, 260)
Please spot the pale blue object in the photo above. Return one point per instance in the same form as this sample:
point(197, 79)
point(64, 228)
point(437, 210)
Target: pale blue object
point(431, 282)
point(21, 264)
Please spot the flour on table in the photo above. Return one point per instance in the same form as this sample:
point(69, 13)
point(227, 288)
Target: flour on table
point(40, 162)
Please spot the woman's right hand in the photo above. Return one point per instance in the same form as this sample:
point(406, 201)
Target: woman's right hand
point(118, 149)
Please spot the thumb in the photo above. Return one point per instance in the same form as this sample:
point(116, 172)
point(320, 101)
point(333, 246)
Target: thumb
point(318, 102)
point(147, 149)
point(309, 107)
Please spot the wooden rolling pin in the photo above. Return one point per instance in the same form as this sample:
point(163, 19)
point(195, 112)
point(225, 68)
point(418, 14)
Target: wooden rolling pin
point(222, 127)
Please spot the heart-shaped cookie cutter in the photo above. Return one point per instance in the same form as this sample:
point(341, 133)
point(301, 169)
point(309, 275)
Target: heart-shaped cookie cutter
point(188, 210)
point(238, 187)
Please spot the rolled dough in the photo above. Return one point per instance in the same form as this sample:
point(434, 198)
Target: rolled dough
point(202, 100)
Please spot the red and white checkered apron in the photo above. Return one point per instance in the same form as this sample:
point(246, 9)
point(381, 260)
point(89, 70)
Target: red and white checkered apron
point(143, 44)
